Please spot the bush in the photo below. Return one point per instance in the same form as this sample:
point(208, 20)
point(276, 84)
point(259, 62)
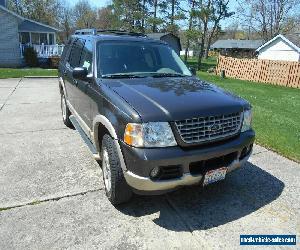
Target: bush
point(30, 57)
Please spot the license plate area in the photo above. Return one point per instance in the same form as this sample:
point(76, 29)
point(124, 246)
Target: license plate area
point(214, 176)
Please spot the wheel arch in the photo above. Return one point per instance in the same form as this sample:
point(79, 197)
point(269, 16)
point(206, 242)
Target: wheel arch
point(101, 126)
point(61, 85)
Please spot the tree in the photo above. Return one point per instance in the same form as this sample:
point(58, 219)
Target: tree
point(219, 11)
point(170, 18)
point(45, 11)
point(189, 33)
point(210, 13)
point(66, 21)
point(130, 14)
point(85, 16)
point(106, 18)
point(268, 17)
point(153, 19)
point(204, 17)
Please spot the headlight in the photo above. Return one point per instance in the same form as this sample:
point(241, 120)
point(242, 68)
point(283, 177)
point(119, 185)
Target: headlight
point(247, 120)
point(151, 134)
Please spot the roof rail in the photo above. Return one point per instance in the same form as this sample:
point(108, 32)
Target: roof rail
point(86, 32)
point(121, 32)
point(107, 31)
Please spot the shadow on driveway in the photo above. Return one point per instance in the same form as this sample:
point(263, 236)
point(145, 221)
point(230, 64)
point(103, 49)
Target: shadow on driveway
point(195, 208)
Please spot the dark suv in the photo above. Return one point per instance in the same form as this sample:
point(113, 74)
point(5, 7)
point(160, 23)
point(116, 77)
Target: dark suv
point(151, 123)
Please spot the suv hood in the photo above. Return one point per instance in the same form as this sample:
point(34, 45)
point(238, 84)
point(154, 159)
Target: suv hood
point(176, 98)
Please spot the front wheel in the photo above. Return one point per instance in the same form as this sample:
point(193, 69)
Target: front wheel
point(116, 188)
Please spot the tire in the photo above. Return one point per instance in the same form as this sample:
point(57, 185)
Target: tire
point(65, 111)
point(116, 188)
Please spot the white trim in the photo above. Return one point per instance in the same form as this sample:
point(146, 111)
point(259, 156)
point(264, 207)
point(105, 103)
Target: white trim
point(27, 31)
point(62, 83)
point(284, 39)
point(100, 119)
point(146, 184)
point(45, 51)
point(104, 121)
point(45, 25)
point(23, 18)
point(83, 125)
point(12, 13)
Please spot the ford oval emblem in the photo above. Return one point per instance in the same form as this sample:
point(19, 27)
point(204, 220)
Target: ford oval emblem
point(215, 127)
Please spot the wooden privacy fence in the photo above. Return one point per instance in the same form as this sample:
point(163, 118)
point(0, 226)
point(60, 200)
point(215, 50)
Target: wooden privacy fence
point(275, 72)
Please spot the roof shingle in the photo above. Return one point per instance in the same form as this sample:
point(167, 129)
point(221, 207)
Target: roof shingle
point(237, 44)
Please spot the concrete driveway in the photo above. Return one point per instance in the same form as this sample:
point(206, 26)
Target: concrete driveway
point(52, 196)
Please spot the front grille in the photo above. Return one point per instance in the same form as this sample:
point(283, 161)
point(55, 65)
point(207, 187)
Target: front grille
point(210, 128)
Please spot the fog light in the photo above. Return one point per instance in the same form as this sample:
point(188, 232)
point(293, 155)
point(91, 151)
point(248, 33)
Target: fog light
point(154, 172)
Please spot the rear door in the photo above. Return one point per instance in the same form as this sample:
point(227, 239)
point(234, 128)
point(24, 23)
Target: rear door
point(72, 62)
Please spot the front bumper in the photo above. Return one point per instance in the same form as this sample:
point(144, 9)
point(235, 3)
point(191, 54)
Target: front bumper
point(146, 184)
point(140, 162)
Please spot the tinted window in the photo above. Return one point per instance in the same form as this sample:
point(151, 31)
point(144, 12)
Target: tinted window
point(65, 51)
point(87, 56)
point(75, 53)
point(123, 57)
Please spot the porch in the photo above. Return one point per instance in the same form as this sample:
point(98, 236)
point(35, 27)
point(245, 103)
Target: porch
point(44, 50)
point(44, 43)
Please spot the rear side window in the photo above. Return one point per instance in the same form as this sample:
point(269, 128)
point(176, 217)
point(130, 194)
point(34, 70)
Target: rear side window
point(75, 54)
point(65, 51)
point(87, 56)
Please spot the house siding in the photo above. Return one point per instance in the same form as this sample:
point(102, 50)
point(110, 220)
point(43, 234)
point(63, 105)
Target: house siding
point(279, 50)
point(9, 40)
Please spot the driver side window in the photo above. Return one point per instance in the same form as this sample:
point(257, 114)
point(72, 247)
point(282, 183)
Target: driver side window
point(74, 57)
point(86, 59)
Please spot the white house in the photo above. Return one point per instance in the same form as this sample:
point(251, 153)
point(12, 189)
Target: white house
point(190, 53)
point(283, 48)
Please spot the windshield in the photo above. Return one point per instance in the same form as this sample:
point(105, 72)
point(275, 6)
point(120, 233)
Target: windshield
point(138, 59)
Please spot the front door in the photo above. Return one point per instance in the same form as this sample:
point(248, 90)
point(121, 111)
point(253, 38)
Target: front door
point(72, 62)
point(82, 102)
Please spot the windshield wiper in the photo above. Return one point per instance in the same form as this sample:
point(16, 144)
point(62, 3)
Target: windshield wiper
point(122, 76)
point(167, 75)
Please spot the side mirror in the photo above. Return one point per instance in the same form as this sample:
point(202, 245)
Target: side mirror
point(193, 71)
point(80, 73)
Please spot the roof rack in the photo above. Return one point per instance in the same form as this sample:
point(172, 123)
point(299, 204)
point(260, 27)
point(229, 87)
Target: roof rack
point(108, 31)
point(86, 32)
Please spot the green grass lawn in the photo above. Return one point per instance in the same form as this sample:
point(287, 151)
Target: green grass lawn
point(205, 64)
point(16, 73)
point(276, 112)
